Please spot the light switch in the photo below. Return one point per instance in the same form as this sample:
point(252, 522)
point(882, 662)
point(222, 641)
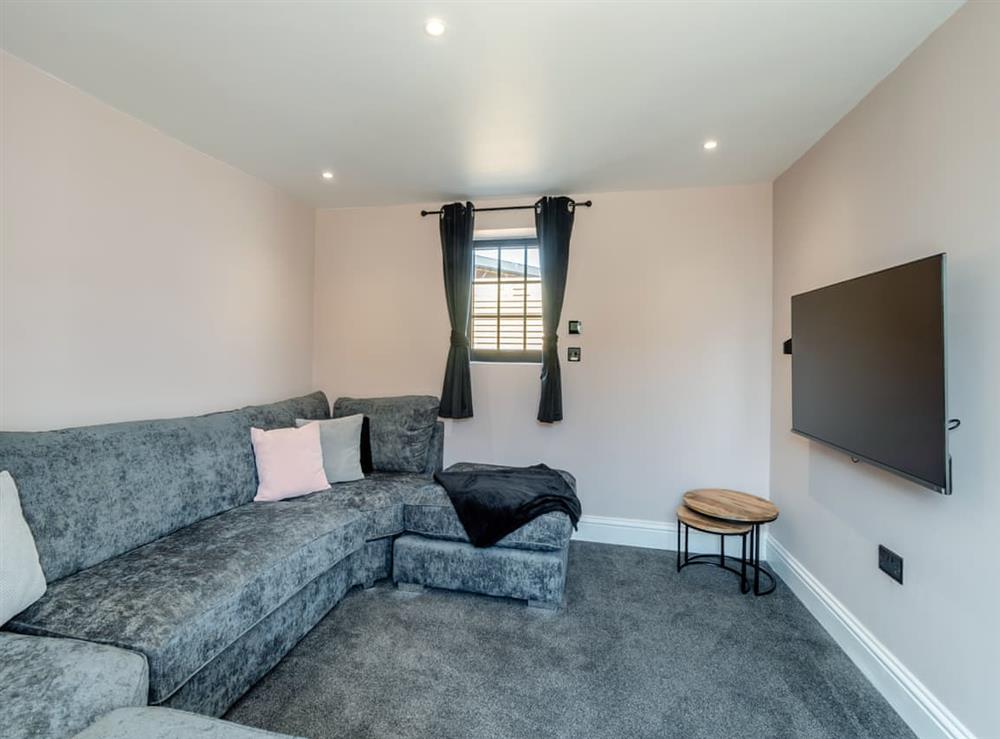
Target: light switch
point(576, 327)
point(573, 354)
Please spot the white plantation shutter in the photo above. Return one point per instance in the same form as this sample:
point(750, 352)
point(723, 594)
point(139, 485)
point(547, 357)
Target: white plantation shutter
point(506, 300)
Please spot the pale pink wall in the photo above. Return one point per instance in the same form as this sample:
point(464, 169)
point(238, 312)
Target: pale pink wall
point(139, 277)
point(673, 289)
point(913, 170)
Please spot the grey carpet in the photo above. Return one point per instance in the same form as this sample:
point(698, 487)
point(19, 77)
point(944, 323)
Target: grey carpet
point(639, 651)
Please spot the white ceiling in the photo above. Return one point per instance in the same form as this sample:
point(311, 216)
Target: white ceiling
point(516, 97)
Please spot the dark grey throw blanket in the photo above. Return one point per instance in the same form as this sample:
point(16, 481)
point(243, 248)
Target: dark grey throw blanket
point(492, 503)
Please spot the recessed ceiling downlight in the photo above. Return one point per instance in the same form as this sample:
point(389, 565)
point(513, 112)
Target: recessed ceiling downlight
point(434, 27)
point(710, 145)
point(328, 175)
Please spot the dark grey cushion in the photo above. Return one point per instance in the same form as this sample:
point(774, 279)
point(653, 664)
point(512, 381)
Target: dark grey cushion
point(185, 598)
point(56, 687)
point(94, 492)
point(401, 429)
point(166, 723)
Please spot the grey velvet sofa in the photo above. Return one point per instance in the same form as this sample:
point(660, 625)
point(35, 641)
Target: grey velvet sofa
point(151, 544)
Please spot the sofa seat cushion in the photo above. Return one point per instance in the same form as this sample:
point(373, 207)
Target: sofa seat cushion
point(183, 599)
point(428, 511)
point(56, 687)
point(379, 498)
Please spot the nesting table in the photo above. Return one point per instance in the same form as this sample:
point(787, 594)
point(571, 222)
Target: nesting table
point(727, 513)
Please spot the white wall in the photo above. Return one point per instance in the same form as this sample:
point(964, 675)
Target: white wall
point(139, 277)
point(912, 171)
point(674, 291)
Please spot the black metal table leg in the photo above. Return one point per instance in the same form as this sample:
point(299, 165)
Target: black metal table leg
point(744, 585)
point(756, 559)
point(679, 524)
point(687, 530)
point(757, 569)
point(684, 557)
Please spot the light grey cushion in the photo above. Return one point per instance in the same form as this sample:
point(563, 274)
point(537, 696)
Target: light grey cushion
point(22, 581)
point(183, 599)
point(166, 723)
point(401, 429)
point(94, 492)
point(55, 687)
point(340, 439)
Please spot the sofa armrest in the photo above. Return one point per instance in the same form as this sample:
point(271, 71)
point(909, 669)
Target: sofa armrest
point(56, 687)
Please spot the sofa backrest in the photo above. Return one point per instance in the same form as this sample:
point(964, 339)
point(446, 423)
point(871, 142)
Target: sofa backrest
point(94, 492)
point(435, 451)
point(402, 428)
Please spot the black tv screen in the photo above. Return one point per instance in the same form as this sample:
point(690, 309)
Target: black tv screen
point(868, 369)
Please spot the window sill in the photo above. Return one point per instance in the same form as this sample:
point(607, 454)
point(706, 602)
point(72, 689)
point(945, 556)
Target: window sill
point(528, 362)
point(505, 357)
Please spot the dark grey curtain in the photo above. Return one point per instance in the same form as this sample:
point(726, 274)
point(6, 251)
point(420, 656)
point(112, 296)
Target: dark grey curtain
point(457, 259)
point(554, 225)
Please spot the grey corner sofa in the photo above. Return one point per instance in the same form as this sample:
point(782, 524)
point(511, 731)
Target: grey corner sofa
point(169, 586)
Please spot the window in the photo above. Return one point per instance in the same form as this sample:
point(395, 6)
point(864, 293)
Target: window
point(506, 321)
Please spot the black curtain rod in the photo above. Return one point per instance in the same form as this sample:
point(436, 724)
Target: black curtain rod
point(584, 204)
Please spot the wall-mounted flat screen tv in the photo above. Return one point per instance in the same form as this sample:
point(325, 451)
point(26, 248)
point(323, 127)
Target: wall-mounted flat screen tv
point(868, 370)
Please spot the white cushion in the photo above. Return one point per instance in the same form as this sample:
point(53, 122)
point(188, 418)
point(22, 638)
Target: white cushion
point(341, 442)
point(22, 581)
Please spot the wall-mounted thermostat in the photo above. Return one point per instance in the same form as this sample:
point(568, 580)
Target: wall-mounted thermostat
point(576, 327)
point(573, 354)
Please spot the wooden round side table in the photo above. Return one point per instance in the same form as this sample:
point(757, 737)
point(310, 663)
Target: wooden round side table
point(739, 508)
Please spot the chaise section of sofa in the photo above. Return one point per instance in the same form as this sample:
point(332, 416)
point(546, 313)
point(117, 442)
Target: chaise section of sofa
point(429, 512)
point(52, 688)
point(529, 564)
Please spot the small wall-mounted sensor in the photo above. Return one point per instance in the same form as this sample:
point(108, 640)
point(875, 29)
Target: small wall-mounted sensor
point(573, 354)
point(576, 327)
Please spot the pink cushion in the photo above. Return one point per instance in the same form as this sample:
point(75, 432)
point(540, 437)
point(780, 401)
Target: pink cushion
point(289, 462)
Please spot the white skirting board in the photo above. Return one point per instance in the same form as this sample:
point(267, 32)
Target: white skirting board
point(921, 710)
point(634, 532)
